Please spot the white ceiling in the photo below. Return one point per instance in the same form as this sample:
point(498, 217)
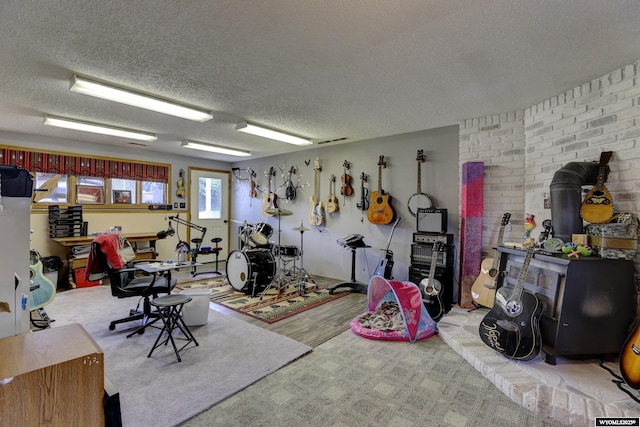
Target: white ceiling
point(323, 69)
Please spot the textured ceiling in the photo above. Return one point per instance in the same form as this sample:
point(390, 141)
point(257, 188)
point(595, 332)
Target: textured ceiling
point(324, 69)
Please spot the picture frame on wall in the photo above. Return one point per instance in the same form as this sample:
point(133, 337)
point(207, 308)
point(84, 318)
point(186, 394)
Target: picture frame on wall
point(122, 197)
point(89, 195)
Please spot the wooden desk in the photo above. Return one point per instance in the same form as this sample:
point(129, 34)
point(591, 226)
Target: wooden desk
point(54, 377)
point(74, 263)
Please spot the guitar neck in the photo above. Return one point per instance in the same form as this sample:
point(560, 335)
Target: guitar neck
point(419, 177)
point(379, 180)
point(432, 268)
point(522, 276)
point(496, 253)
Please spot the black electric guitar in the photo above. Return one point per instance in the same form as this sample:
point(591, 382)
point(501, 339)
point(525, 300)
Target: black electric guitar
point(483, 290)
point(385, 264)
point(43, 291)
point(363, 205)
point(511, 326)
point(432, 288)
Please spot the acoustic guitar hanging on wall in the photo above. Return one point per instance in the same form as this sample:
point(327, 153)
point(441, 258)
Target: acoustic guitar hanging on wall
point(380, 212)
point(597, 206)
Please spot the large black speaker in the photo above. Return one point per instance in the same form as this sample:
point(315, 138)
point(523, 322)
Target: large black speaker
point(443, 275)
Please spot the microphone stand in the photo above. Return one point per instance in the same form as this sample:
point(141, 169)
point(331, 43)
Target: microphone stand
point(197, 241)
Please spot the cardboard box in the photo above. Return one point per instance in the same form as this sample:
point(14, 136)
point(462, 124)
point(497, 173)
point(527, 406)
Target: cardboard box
point(617, 239)
point(81, 282)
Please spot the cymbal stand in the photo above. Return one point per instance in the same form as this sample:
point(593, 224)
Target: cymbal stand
point(303, 276)
point(279, 278)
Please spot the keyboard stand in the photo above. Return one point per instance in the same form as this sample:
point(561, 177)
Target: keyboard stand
point(353, 285)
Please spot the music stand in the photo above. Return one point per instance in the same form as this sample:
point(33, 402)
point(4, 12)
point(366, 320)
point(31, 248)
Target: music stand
point(353, 284)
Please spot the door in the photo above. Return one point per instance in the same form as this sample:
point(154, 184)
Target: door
point(209, 198)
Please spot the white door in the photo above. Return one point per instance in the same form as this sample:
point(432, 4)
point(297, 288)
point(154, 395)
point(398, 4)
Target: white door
point(209, 198)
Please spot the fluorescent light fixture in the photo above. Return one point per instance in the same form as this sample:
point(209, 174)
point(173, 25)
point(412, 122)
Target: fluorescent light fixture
point(62, 122)
point(215, 148)
point(272, 134)
point(137, 99)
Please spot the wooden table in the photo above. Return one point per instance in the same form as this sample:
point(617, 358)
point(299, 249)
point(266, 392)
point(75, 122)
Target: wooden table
point(74, 263)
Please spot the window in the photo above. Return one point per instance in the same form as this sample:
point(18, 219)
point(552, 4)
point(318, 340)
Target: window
point(51, 188)
point(120, 185)
point(62, 189)
point(209, 198)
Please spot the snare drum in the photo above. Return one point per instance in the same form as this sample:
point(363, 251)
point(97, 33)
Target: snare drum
point(261, 233)
point(242, 265)
point(287, 251)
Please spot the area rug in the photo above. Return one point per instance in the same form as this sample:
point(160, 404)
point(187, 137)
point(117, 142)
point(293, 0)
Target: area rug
point(274, 306)
point(159, 390)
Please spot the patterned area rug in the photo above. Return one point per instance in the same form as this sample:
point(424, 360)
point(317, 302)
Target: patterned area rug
point(274, 306)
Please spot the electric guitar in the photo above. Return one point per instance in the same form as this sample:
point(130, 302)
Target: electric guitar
point(483, 290)
point(597, 206)
point(380, 212)
point(511, 326)
point(43, 291)
point(432, 288)
point(363, 205)
point(270, 199)
point(630, 358)
point(385, 264)
point(316, 213)
point(419, 199)
point(332, 201)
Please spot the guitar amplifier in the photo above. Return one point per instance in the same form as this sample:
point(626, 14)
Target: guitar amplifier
point(431, 238)
point(431, 220)
point(421, 255)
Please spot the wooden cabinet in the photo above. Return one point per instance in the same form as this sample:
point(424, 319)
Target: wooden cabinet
point(589, 302)
point(51, 377)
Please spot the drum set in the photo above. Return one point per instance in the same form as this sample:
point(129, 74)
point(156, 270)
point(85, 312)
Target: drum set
point(260, 264)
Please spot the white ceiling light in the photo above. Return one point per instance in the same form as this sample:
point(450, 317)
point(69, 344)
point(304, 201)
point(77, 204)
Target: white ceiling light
point(137, 99)
point(215, 148)
point(62, 122)
point(271, 134)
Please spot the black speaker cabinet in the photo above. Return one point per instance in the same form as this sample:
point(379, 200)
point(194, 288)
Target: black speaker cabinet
point(431, 220)
point(443, 275)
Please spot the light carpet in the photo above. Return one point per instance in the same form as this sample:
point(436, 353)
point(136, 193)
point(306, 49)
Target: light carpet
point(160, 391)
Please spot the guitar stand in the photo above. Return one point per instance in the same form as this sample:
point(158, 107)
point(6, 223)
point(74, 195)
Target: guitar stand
point(353, 284)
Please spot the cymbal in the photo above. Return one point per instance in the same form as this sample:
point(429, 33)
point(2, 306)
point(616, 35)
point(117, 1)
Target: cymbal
point(301, 228)
point(279, 212)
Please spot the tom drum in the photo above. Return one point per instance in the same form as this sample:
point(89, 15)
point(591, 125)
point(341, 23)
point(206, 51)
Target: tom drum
point(243, 265)
point(261, 233)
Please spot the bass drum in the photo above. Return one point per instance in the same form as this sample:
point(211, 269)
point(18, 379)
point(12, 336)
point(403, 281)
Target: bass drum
point(242, 265)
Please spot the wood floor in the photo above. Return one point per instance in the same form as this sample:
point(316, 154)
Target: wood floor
point(311, 327)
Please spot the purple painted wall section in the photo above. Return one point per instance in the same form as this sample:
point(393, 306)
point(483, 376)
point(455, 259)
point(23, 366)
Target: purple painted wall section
point(471, 207)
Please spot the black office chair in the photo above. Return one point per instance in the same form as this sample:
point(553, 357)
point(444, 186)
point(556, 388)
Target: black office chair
point(125, 284)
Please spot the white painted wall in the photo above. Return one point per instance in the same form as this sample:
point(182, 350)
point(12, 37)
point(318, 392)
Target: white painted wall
point(322, 255)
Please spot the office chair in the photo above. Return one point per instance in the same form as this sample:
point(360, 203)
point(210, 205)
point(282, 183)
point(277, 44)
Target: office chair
point(125, 283)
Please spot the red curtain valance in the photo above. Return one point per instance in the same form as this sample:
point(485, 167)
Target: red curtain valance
point(35, 161)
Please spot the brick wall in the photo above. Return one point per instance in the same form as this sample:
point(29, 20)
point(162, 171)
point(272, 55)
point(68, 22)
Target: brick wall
point(523, 149)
